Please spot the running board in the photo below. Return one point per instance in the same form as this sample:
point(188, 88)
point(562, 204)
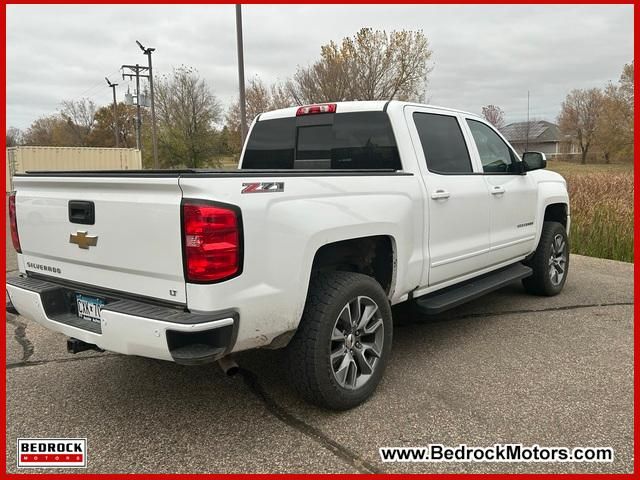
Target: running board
point(455, 295)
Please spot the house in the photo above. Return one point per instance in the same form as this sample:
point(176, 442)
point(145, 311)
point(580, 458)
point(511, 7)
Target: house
point(544, 137)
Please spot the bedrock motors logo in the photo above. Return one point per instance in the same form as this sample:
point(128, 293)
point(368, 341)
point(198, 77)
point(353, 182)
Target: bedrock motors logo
point(52, 452)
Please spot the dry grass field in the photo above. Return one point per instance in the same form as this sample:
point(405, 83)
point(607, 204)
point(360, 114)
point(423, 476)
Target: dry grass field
point(601, 208)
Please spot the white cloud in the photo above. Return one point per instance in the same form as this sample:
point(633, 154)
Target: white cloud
point(482, 53)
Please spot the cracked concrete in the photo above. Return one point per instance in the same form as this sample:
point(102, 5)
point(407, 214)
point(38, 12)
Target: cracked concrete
point(13, 365)
point(504, 368)
point(340, 451)
point(20, 337)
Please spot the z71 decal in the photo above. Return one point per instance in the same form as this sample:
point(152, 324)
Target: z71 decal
point(262, 187)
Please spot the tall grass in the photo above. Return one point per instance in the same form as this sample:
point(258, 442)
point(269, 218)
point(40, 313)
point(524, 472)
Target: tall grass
point(601, 213)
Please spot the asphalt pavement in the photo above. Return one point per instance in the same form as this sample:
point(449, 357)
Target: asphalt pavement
point(506, 368)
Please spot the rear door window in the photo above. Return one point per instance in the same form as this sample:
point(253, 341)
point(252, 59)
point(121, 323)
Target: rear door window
point(358, 140)
point(442, 143)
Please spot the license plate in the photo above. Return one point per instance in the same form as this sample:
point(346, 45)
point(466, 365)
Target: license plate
point(89, 307)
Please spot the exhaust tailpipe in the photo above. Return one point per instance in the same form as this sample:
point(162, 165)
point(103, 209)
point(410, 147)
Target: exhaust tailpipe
point(76, 346)
point(228, 366)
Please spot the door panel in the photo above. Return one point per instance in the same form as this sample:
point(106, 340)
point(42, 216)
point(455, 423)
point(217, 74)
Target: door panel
point(513, 215)
point(456, 200)
point(459, 240)
point(513, 196)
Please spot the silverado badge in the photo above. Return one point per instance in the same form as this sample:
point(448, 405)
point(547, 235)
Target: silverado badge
point(83, 240)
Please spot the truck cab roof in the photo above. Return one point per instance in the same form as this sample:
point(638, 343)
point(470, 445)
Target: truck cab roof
point(356, 106)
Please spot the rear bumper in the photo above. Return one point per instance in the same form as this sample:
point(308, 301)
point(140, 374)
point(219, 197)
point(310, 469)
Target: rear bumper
point(127, 326)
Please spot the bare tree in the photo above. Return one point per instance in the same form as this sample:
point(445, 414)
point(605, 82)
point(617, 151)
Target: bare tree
point(494, 115)
point(579, 117)
point(612, 134)
point(187, 111)
point(371, 65)
point(102, 132)
point(625, 91)
point(80, 117)
point(626, 85)
point(327, 79)
point(50, 131)
point(71, 127)
point(259, 98)
point(280, 98)
point(14, 137)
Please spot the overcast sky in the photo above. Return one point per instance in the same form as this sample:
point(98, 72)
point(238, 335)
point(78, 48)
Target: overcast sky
point(481, 54)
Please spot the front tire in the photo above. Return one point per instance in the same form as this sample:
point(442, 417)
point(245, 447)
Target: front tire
point(339, 352)
point(550, 263)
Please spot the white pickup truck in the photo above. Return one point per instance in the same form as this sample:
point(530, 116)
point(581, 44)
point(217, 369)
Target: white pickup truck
point(337, 212)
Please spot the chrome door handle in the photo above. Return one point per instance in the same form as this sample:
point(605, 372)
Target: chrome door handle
point(497, 190)
point(440, 194)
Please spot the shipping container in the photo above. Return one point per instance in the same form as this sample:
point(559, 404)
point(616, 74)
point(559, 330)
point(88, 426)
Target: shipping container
point(24, 159)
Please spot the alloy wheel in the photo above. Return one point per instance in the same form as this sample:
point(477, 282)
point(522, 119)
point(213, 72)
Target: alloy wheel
point(356, 342)
point(558, 260)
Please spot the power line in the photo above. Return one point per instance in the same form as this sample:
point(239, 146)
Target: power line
point(96, 86)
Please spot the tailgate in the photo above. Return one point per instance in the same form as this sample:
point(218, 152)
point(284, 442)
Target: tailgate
point(136, 226)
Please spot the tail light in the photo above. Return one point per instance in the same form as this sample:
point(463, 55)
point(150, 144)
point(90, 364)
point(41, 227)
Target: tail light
point(313, 109)
point(13, 223)
point(212, 240)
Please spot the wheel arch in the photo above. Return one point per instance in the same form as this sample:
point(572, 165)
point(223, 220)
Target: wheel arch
point(557, 212)
point(553, 205)
point(373, 255)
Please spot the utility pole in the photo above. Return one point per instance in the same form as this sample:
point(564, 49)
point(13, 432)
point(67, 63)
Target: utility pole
point(243, 107)
point(148, 52)
point(526, 148)
point(138, 118)
point(115, 111)
point(136, 69)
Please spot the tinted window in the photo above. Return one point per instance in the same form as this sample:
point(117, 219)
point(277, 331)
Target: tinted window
point(364, 140)
point(359, 140)
point(314, 146)
point(443, 144)
point(271, 144)
point(495, 155)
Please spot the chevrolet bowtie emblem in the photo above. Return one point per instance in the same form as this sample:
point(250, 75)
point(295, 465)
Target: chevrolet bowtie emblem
point(83, 240)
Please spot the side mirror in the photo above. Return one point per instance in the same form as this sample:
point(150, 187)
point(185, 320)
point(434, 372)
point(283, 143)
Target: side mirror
point(534, 161)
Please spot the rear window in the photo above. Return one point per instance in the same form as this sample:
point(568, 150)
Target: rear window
point(359, 140)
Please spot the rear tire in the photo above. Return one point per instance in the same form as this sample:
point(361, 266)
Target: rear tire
point(550, 263)
point(339, 352)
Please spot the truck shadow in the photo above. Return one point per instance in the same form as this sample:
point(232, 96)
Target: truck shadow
point(415, 337)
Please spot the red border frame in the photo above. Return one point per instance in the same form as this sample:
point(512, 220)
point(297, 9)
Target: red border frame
point(636, 330)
